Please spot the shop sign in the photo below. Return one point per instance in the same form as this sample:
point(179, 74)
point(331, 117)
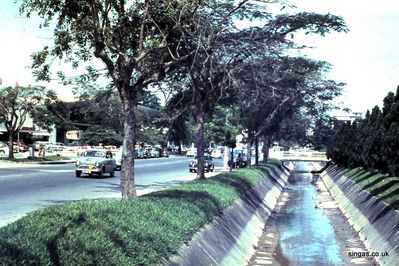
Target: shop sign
point(73, 135)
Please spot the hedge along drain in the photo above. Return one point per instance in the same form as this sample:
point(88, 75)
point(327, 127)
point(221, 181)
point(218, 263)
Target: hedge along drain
point(305, 234)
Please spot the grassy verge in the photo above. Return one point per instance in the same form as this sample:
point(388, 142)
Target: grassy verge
point(274, 161)
point(37, 159)
point(384, 187)
point(134, 232)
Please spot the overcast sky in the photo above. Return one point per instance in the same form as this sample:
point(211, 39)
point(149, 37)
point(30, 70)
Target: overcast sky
point(366, 58)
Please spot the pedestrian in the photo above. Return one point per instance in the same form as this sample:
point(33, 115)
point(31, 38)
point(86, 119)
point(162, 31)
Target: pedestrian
point(42, 150)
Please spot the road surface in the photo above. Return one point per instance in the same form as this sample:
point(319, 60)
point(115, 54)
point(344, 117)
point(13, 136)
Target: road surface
point(30, 187)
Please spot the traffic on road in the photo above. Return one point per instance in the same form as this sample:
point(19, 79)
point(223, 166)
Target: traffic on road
point(24, 188)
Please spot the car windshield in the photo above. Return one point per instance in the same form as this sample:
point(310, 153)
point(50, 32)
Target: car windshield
point(95, 154)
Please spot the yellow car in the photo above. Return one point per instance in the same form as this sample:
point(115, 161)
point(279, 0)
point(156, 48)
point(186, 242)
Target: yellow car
point(97, 162)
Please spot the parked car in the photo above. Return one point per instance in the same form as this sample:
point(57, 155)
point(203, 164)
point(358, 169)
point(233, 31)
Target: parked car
point(208, 165)
point(118, 160)
point(20, 147)
point(154, 153)
point(217, 153)
point(239, 159)
point(75, 143)
point(165, 153)
point(96, 161)
point(191, 152)
point(172, 149)
point(140, 153)
point(36, 144)
point(3, 148)
point(57, 146)
point(147, 153)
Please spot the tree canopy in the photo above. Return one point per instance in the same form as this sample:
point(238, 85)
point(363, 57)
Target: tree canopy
point(142, 42)
point(18, 102)
point(372, 142)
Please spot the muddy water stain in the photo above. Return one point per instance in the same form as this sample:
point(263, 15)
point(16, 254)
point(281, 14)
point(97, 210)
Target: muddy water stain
point(306, 236)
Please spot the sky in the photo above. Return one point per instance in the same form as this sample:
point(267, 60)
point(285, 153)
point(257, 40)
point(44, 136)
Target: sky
point(366, 58)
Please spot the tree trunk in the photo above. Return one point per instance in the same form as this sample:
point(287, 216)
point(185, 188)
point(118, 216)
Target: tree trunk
point(128, 188)
point(11, 144)
point(232, 158)
point(179, 148)
point(250, 140)
point(266, 147)
point(200, 119)
point(256, 151)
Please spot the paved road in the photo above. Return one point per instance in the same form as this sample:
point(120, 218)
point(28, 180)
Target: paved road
point(31, 187)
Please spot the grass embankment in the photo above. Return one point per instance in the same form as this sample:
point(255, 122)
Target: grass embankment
point(50, 158)
point(134, 232)
point(384, 187)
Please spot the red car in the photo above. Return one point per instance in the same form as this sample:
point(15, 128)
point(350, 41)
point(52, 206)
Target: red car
point(20, 147)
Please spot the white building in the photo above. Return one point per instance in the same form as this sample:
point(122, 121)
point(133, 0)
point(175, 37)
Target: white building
point(29, 133)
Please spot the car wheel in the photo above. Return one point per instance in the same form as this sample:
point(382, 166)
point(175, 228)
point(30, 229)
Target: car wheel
point(112, 174)
point(100, 174)
point(78, 173)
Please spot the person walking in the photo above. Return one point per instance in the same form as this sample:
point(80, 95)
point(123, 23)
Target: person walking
point(42, 150)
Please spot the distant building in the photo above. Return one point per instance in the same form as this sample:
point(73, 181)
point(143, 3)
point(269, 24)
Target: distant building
point(29, 133)
point(349, 117)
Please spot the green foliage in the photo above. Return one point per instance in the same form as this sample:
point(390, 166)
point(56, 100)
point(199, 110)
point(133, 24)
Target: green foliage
point(373, 142)
point(323, 130)
point(149, 135)
point(96, 135)
point(224, 127)
point(17, 103)
point(134, 232)
point(141, 42)
point(283, 95)
point(53, 112)
point(292, 131)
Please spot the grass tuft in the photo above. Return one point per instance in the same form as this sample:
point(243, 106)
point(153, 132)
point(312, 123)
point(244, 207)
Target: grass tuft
point(386, 188)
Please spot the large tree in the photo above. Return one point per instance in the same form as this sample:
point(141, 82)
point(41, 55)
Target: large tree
point(139, 43)
point(242, 55)
point(277, 87)
point(17, 103)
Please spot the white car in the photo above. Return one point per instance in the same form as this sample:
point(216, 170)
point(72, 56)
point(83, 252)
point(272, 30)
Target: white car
point(96, 161)
point(58, 146)
point(118, 160)
point(191, 153)
point(217, 153)
point(3, 148)
point(37, 144)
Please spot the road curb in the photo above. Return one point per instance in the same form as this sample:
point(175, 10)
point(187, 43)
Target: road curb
point(42, 162)
point(53, 162)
